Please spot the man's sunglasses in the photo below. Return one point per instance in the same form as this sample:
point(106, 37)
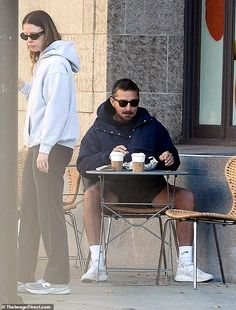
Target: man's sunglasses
point(32, 36)
point(123, 103)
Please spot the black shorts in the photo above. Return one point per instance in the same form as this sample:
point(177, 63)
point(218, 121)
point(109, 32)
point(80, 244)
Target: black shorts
point(136, 188)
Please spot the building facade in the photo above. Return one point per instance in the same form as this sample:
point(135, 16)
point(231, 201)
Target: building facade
point(181, 54)
point(141, 40)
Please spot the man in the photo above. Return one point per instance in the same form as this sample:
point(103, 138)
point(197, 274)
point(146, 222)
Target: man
point(123, 126)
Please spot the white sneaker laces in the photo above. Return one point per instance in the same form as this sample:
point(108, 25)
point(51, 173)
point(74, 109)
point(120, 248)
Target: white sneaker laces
point(44, 283)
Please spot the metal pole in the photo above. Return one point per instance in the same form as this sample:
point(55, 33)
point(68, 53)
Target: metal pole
point(8, 149)
point(195, 255)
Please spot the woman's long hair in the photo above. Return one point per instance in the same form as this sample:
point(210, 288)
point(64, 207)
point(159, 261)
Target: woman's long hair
point(41, 19)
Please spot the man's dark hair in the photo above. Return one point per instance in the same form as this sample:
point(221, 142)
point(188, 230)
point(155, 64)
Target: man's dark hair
point(125, 84)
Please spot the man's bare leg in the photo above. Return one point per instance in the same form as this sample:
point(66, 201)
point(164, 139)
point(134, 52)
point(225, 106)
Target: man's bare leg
point(92, 212)
point(184, 200)
point(92, 223)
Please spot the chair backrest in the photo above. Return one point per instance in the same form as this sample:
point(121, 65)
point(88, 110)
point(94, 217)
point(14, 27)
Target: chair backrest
point(230, 173)
point(72, 181)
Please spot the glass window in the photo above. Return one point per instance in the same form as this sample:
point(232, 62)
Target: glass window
point(211, 56)
point(234, 82)
point(210, 72)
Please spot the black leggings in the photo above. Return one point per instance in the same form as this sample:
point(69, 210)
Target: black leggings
point(42, 214)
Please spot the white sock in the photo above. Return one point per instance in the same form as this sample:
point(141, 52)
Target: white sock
point(185, 255)
point(94, 249)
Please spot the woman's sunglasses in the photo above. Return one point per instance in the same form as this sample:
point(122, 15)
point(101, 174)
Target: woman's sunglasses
point(32, 36)
point(123, 103)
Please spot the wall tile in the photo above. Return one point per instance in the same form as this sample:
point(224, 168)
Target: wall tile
point(101, 17)
point(175, 64)
point(84, 46)
point(87, 119)
point(167, 108)
point(85, 102)
point(141, 58)
point(100, 62)
point(99, 98)
point(116, 16)
point(68, 16)
point(88, 17)
point(155, 17)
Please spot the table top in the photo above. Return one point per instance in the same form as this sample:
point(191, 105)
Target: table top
point(144, 173)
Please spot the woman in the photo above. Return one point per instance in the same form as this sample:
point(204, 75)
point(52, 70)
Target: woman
point(51, 131)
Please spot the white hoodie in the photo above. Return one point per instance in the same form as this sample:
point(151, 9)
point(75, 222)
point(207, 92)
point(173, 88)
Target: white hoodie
point(51, 115)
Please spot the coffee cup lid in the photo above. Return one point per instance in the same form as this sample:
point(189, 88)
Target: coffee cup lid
point(138, 156)
point(117, 153)
point(117, 156)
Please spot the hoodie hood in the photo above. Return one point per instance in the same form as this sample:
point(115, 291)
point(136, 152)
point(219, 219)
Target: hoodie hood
point(64, 49)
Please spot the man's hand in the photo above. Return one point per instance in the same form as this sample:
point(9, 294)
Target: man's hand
point(167, 157)
point(42, 162)
point(121, 149)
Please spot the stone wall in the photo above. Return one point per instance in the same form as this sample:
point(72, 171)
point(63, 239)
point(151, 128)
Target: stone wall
point(139, 39)
point(145, 43)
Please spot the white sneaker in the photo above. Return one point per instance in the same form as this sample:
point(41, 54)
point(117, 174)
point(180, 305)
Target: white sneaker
point(42, 287)
point(21, 287)
point(95, 275)
point(185, 274)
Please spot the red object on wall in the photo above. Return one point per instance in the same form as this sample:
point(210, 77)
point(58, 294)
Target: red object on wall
point(215, 18)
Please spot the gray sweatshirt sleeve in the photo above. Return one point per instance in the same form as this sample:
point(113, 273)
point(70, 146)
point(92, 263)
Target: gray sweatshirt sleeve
point(56, 92)
point(25, 90)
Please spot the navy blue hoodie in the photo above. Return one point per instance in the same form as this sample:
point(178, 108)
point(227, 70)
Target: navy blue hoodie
point(144, 133)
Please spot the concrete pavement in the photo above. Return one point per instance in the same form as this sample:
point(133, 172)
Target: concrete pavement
point(137, 291)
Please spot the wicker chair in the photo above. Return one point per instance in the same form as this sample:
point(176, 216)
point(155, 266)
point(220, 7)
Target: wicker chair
point(211, 218)
point(71, 201)
point(129, 212)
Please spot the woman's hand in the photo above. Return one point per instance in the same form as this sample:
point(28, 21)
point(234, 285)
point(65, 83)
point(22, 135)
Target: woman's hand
point(42, 162)
point(21, 83)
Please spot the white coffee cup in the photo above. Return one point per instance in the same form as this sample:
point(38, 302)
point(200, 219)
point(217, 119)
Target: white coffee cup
point(138, 160)
point(117, 160)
